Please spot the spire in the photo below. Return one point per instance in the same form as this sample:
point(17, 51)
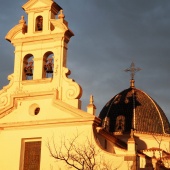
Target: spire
point(91, 108)
point(132, 70)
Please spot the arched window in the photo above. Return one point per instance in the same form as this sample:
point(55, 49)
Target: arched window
point(120, 123)
point(39, 23)
point(48, 64)
point(28, 67)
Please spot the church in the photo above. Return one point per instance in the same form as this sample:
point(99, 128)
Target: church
point(42, 125)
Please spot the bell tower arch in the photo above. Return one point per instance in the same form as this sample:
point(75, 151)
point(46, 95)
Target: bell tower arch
point(40, 12)
point(44, 38)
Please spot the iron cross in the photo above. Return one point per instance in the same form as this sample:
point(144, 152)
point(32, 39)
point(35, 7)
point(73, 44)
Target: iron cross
point(132, 70)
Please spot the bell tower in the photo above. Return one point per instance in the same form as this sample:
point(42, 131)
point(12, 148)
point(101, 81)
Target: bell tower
point(41, 44)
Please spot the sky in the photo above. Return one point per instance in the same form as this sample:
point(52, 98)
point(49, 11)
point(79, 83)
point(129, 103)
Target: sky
point(109, 36)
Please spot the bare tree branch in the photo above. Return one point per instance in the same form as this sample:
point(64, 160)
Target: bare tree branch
point(77, 155)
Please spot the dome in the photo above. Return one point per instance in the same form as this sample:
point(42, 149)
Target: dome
point(134, 109)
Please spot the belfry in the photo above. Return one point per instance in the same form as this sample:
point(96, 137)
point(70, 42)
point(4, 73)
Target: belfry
point(41, 52)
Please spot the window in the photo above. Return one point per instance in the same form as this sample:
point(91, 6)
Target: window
point(30, 154)
point(120, 123)
point(106, 123)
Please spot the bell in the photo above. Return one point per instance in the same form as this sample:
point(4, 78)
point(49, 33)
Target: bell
point(49, 68)
point(40, 24)
point(29, 72)
point(28, 69)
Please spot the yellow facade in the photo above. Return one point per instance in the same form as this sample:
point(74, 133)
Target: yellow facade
point(38, 108)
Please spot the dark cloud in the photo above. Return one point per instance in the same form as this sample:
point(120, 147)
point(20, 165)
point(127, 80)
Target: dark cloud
point(108, 36)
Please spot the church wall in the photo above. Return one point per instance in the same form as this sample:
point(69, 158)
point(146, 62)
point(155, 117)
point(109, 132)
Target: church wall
point(10, 157)
point(109, 147)
point(146, 141)
point(105, 144)
point(13, 137)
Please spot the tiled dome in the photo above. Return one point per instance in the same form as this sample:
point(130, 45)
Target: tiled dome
point(134, 109)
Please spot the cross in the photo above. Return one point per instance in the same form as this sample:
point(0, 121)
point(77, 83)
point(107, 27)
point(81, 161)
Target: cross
point(133, 70)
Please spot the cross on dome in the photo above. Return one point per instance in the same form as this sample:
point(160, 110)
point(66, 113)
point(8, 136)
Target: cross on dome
point(132, 69)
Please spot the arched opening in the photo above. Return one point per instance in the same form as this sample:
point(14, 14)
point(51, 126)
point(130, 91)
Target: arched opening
point(120, 124)
point(39, 23)
point(28, 67)
point(48, 65)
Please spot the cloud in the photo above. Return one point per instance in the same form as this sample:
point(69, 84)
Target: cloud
point(108, 36)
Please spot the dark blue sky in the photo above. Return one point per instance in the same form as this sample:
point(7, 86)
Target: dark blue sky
point(109, 35)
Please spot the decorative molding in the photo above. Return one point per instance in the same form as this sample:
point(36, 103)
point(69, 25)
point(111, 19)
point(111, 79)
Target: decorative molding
point(71, 90)
point(56, 67)
point(15, 30)
point(4, 97)
point(54, 122)
point(3, 101)
point(20, 90)
point(5, 88)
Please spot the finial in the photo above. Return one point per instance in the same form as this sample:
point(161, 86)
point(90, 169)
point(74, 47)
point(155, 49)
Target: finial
point(133, 70)
point(61, 15)
point(22, 21)
point(91, 99)
point(91, 108)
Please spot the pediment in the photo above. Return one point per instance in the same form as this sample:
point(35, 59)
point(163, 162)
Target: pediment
point(38, 5)
point(22, 113)
point(31, 4)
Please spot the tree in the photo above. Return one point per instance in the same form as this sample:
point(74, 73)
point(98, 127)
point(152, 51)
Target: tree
point(79, 156)
point(163, 162)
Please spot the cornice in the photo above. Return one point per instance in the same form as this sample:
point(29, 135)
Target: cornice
point(47, 123)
